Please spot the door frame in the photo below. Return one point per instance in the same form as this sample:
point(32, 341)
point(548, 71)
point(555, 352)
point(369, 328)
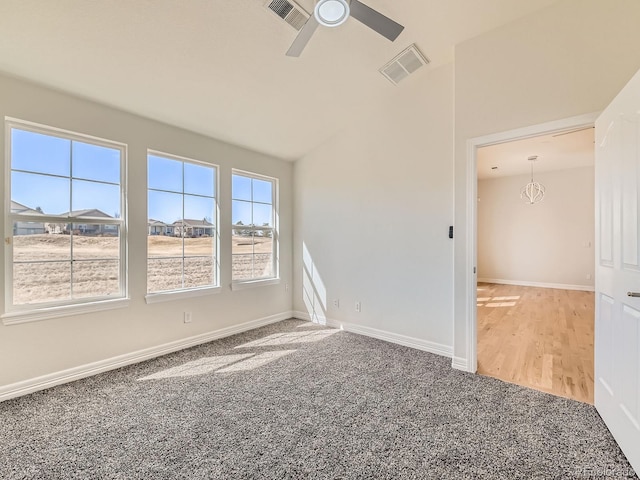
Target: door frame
point(471, 243)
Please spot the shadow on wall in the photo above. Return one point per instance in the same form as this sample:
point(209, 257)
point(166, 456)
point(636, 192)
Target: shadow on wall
point(314, 291)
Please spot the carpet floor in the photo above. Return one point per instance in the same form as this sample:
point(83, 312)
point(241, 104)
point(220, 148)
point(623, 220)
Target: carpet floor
point(295, 400)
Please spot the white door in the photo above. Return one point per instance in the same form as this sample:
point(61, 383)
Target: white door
point(617, 334)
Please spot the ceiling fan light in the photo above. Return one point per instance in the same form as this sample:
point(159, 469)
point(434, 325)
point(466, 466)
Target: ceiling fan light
point(331, 13)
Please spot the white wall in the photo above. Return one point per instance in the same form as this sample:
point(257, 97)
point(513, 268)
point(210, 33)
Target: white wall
point(566, 60)
point(548, 243)
point(372, 210)
point(34, 349)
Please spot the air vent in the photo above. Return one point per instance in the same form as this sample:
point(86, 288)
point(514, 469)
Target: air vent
point(404, 64)
point(289, 11)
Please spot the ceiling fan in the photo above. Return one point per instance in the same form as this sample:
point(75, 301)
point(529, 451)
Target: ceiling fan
point(332, 13)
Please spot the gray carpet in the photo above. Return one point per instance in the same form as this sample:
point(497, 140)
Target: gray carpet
point(294, 400)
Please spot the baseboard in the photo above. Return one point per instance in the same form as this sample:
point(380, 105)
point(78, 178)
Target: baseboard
point(460, 363)
point(419, 344)
point(524, 283)
point(69, 375)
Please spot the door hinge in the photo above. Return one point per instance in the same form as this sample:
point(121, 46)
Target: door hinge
point(474, 270)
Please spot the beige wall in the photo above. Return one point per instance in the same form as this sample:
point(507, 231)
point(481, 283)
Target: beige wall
point(548, 243)
point(566, 60)
point(372, 209)
point(33, 349)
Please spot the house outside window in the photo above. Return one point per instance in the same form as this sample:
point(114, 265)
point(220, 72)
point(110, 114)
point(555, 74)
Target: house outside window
point(182, 236)
point(66, 216)
point(254, 227)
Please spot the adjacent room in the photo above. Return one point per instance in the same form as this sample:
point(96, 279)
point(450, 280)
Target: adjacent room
point(242, 239)
point(536, 262)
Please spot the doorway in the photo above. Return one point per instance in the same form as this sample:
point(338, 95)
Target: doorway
point(534, 286)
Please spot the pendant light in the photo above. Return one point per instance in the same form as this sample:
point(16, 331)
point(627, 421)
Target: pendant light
point(532, 192)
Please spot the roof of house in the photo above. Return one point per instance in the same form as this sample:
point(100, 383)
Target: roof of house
point(190, 222)
point(88, 212)
point(19, 208)
point(156, 223)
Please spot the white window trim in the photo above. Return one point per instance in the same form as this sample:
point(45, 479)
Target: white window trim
point(34, 315)
point(34, 312)
point(169, 295)
point(242, 284)
point(246, 284)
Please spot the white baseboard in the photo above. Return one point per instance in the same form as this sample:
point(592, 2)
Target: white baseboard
point(419, 344)
point(460, 363)
point(524, 283)
point(69, 375)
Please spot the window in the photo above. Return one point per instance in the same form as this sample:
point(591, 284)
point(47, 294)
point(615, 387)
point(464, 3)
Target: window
point(254, 232)
point(66, 218)
point(182, 217)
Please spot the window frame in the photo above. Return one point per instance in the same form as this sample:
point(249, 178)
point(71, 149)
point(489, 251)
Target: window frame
point(189, 292)
point(241, 284)
point(22, 313)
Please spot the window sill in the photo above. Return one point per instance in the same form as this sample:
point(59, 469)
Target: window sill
point(180, 294)
point(254, 283)
point(37, 314)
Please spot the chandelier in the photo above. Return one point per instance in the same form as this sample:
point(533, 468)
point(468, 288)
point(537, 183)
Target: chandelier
point(532, 192)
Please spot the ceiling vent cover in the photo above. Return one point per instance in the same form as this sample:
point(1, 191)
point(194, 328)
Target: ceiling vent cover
point(404, 64)
point(289, 11)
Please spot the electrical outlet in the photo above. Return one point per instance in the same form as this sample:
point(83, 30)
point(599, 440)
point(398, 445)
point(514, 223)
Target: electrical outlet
point(588, 276)
point(358, 307)
point(336, 303)
point(286, 287)
point(187, 317)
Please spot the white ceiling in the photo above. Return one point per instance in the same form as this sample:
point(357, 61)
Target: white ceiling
point(218, 67)
point(559, 151)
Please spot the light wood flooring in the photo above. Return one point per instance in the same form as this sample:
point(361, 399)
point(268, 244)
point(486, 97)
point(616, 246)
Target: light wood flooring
point(541, 338)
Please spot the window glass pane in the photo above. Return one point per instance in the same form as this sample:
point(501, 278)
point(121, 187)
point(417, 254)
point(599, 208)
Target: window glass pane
point(242, 267)
point(164, 174)
point(41, 282)
point(241, 187)
point(262, 215)
point(199, 214)
point(32, 193)
point(95, 162)
point(263, 265)
point(164, 246)
point(36, 152)
point(93, 241)
point(164, 274)
point(92, 199)
point(198, 179)
point(31, 243)
point(241, 213)
point(199, 246)
point(198, 272)
point(262, 191)
point(165, 207)
point(95, 278)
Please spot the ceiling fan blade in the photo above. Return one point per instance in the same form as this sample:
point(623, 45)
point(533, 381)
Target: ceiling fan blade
point(375, 20)
point(303, 37)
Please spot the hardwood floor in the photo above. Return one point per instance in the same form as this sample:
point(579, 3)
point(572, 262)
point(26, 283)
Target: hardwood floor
point(537, 337)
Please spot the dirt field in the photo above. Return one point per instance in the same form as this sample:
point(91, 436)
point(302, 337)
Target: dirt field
point(95, 271)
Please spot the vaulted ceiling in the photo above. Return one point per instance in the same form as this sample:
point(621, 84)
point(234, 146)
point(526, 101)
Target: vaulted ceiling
point(218, 67)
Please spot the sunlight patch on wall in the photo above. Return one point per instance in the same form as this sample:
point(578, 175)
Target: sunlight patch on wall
point(314, 291)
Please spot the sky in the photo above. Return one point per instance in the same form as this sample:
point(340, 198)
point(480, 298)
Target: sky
point(60, 175)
